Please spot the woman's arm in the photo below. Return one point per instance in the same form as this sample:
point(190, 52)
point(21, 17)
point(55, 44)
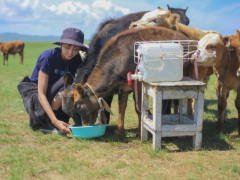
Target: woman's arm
point(42, 90)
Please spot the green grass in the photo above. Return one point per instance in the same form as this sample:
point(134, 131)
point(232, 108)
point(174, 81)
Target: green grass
point(27, 154)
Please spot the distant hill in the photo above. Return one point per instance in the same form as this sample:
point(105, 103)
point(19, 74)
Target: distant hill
point(15, 36)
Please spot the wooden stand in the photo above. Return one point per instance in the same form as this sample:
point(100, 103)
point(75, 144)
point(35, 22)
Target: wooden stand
point(171, 125)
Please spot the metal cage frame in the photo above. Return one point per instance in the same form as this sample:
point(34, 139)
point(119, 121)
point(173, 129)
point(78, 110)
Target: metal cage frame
point(189, 47)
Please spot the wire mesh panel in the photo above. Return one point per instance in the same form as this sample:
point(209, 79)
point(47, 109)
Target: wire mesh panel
point(189, 47)
point(160, 61)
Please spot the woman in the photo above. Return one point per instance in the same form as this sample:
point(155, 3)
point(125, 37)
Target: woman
point(47, 76)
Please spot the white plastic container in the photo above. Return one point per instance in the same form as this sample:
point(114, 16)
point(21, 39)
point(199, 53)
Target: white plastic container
point(161, 61)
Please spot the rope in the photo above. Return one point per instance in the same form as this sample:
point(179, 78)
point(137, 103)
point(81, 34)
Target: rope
point(102, 105)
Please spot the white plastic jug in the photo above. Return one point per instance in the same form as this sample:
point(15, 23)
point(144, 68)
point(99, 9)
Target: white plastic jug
point(161, 61)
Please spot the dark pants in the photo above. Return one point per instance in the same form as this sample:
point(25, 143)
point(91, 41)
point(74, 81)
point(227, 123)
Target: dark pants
point(29, 93)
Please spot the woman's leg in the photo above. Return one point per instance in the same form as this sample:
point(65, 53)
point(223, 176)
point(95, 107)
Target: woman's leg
point(56, 100)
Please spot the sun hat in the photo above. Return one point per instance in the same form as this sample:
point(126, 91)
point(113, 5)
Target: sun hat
point(72, 36)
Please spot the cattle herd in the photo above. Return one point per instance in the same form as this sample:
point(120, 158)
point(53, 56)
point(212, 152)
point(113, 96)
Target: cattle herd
point(110, 58)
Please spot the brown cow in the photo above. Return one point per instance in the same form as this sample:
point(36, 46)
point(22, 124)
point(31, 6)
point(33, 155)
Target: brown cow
point(110, 73)
point(235, 46)
point(12, 47)
point(213, 49)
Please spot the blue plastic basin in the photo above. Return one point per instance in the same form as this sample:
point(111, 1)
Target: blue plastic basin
point(88, 131)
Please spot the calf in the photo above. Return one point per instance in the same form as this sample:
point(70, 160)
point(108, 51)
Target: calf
point(12, 47)
point(213, 50)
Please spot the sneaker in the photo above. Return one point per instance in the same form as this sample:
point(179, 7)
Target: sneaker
point(48, 127)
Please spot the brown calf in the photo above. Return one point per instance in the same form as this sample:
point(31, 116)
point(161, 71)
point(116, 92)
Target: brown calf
point(110, 74)
point(214, 50)
point(12, 47)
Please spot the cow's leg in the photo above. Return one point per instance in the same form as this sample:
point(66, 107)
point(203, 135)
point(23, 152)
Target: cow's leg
point(4, 57)
point(190, 108)
point(175, 105)
point(222, 94)
point(166, 108)
point(21, 56)
point(237, 104)
point(122, 104)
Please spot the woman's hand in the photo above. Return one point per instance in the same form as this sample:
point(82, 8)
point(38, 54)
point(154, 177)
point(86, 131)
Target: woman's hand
point(64, 127)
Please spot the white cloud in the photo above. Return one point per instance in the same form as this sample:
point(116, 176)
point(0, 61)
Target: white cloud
point(68, 7)
point(104, 4)
point(81, 8)
point(108, 5)
point(25, 3)
point(35, 3)
point(123, 10)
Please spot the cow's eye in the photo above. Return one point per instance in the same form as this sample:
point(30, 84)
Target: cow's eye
point(155, 20)
point(212, 47)
point(79, 107)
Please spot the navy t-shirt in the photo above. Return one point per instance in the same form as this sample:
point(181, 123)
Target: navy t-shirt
point(51, 63)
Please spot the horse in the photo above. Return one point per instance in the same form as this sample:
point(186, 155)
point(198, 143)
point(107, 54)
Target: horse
point(109, 76)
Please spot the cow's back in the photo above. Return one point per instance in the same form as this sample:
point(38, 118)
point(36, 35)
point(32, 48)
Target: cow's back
point(12, 47)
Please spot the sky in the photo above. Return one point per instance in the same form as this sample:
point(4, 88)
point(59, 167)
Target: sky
point(50, 17)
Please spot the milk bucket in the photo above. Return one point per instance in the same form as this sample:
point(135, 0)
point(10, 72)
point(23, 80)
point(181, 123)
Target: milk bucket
point(161, 61)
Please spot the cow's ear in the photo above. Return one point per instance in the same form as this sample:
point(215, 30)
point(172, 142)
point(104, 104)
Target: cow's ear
point(84, 80)
point(80, 89)
point(226, 41)
point(68, 80)
point(78, 92)
point(173, 20)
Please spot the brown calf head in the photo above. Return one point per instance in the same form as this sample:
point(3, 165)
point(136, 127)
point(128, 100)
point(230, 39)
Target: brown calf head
point(87, 104)
point(67, 96)
point(211, 49)
point(159, 17)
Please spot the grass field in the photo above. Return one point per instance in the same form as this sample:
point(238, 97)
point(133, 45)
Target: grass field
point(27, 154)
